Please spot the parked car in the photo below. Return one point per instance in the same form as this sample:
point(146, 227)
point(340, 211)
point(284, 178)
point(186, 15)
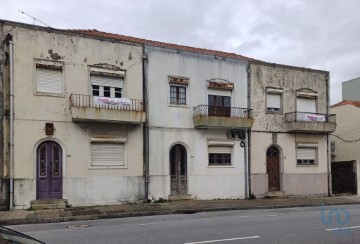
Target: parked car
point(10, 236)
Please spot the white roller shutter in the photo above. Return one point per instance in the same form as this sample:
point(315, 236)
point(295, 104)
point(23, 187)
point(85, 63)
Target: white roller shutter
point(306, 153)
point(218, 92)
point(306, 105)
point(99, 80)
point(273, 101)
point(219, 149)
point(107, 154)
point(49, 80)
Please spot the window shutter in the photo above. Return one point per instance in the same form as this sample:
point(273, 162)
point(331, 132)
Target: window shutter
point(219, 92)
point(273, 100)
point(306, 105)
point(49, 80)
point(306, 153)
point(219, 149)
point(99, 80)
point(105, 154)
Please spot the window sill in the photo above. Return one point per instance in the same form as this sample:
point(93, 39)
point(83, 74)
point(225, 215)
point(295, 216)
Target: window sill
point(306, 165)
point(107, 167)
point(220, 166)
point(178, 105)
point(275, 113)
point(62, 95)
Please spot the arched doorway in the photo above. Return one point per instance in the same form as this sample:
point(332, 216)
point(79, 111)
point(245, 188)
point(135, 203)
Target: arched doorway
point(178, 170)
point(49, 170)
point(273, 168)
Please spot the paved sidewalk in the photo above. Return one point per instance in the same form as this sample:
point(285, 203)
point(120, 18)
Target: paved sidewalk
point(146, 209)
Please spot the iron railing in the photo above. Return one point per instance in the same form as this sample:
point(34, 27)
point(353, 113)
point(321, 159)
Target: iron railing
point(310, 117)
point(79, 100)
point(219, 111)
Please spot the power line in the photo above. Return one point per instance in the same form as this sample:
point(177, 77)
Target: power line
point(344, 140)
point(34, 19)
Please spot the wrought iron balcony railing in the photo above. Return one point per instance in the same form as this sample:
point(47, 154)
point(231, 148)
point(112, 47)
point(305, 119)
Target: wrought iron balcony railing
point(310, 117)
point(219, 111)
point(78, 100)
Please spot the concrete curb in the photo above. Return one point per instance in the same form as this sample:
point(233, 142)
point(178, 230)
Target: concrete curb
point(162, 212)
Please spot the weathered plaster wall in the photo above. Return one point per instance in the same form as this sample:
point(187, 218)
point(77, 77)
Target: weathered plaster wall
point(170, 124)
point(270, 129)
point(347, 117)
point(82, 185)
point(290, 80)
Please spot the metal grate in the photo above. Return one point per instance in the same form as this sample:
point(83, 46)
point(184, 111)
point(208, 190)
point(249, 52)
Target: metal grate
point(233, 112)
point(310, 117)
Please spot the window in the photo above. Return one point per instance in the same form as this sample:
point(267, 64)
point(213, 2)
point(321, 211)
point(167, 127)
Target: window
point(273, 100)
point(107, 86)
point(306, 154)
point(306, 105)
point(219, 105)
point(220, 155)
point(107, 154)
point(49, 80)
point(178, 94)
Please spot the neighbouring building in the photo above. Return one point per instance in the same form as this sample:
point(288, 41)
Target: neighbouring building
point(73, 117)
point(290, 135)
point(350, 89)
point(345, 144)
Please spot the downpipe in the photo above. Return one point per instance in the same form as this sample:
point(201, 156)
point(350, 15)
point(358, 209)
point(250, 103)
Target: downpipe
point(11, 163)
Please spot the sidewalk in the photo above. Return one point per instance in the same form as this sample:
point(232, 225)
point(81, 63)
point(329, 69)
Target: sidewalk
point(146, 209)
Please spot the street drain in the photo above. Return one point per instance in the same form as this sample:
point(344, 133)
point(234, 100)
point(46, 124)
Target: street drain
point(78, 226)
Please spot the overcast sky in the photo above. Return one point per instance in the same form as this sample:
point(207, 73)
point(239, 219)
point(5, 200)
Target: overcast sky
point(319, 34)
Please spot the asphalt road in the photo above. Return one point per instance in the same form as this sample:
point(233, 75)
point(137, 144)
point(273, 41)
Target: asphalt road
point(335, 224)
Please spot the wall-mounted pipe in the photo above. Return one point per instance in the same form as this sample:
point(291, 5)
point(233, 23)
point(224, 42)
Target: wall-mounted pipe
point(11, 150)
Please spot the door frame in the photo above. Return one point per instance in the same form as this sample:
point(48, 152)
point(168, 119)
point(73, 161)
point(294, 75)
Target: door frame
point(279, 168)
point(63, 158)
point(186, 167)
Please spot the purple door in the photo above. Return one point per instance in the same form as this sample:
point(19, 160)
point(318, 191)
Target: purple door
point(49, 170)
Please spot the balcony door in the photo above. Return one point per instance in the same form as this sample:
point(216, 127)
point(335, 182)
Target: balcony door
point(219, 106)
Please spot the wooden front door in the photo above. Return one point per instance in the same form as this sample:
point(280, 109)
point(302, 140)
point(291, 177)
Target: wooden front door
point(273, 168)
point(49, 171)
point(178, 170)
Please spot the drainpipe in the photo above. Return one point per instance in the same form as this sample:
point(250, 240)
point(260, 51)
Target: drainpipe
point(327, 79)
point(246, 169)
point(11, 163)
point(146, 127)
point(249, 131)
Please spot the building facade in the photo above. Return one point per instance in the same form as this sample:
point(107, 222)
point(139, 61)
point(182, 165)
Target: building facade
point(195, 101)
point(289, 138)
point(345, 143)
point(74, 117)
point(350, 89)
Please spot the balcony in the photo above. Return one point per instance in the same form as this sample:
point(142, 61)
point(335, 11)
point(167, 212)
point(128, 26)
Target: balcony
point(85, 108)
point(310, 122)
point(222, 117)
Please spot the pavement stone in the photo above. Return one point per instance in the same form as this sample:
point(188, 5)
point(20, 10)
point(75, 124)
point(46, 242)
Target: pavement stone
point(146, 209)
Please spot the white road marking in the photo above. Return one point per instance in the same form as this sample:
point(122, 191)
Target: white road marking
point(160, 223)
point(271, 215)
point(244, 216)
point(222, 240)
point(343, 228)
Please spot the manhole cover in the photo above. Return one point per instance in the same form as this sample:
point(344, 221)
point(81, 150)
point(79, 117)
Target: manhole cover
point(78, 226)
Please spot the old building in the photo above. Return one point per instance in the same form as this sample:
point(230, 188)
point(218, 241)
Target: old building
point(350, 89)
point(197, 106)
point(345, 144)
point(73, 125)
point(290, 135)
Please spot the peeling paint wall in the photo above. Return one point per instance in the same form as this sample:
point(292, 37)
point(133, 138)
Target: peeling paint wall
point(170, 125)
point(270, 129)
point(33, 110)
